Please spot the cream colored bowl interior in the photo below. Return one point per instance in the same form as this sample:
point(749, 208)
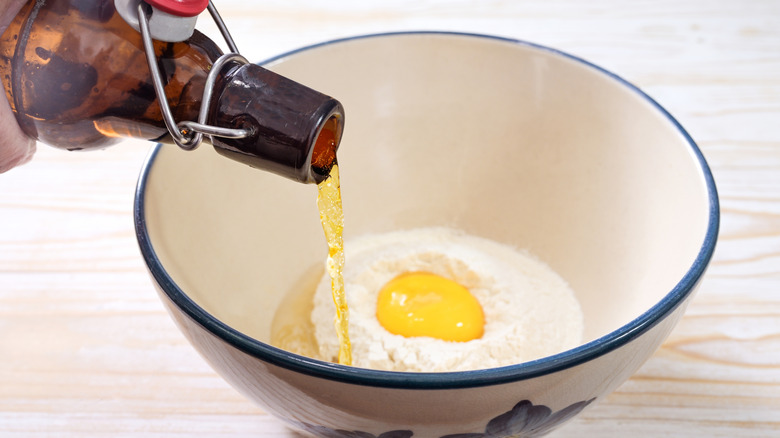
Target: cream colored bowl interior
point(503, 140)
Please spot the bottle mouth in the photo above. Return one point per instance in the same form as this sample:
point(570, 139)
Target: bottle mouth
point(323, 155)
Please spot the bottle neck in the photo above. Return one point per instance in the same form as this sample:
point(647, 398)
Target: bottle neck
point(295, 130)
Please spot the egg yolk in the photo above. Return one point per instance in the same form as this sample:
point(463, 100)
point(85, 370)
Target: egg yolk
point(425, 304)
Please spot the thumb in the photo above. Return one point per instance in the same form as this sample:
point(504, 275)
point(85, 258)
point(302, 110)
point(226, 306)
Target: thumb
point(15, 147)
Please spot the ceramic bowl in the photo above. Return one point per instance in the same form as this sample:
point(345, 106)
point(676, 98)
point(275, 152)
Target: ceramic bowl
point(503, 139)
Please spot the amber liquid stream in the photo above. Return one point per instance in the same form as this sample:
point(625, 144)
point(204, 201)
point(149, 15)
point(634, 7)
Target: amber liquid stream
point(332, 217)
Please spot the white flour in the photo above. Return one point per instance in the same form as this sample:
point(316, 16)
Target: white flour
point(530, 312)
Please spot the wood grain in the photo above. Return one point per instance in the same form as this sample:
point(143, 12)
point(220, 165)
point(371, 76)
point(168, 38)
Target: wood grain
point(87, 350)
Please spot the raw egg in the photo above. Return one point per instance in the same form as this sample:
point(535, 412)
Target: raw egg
point(425, 304)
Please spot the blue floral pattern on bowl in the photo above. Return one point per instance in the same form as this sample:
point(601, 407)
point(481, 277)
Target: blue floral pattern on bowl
point(524, 420)
point(324, 432)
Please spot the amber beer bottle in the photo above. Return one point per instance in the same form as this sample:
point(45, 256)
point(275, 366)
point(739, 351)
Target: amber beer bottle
point(76, 76)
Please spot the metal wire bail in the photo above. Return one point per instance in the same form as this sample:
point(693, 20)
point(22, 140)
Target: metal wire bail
point(188, 135)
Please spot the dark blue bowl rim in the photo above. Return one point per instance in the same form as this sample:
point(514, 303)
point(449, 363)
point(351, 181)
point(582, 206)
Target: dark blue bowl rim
point(448, 380)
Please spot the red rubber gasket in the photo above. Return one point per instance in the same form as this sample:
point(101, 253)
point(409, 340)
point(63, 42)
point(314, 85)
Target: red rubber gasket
point(182, 8)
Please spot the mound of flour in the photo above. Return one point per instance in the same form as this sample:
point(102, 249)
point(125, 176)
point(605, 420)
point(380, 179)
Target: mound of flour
point(530, 312)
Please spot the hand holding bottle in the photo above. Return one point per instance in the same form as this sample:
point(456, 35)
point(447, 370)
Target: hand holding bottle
point(15, 147)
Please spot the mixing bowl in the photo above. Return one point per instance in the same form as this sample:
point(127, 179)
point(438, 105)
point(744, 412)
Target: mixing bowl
point(502, 139)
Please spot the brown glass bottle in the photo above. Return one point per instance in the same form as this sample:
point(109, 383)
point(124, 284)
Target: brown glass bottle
point(76, 76)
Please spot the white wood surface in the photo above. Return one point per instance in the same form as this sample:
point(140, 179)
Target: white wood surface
point(87, 350)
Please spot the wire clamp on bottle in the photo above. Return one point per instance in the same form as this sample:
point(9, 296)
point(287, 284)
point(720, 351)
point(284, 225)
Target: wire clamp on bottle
point(188, 135)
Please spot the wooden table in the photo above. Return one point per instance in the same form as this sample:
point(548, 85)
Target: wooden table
point(86, 348)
